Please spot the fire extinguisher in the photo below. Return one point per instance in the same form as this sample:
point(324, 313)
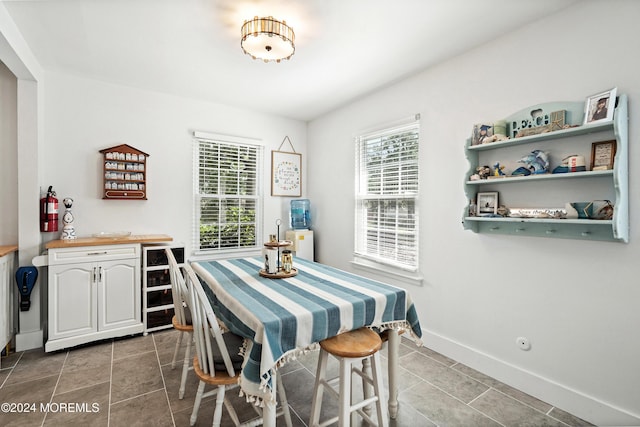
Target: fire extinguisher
point(49, 212)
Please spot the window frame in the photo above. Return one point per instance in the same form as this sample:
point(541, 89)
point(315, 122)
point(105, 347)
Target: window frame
point(363, 194)
point(228, 141)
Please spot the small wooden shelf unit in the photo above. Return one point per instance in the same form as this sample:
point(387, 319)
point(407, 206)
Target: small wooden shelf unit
point(124, 172)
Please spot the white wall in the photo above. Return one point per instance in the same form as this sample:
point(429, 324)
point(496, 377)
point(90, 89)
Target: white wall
point(8, 157)
point(576, 301)
point(19, 60)
point(84, 116)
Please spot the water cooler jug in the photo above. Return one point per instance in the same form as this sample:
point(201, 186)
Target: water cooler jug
point(300, 214)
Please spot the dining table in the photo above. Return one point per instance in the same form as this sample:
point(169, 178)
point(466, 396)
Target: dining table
point(284, 316)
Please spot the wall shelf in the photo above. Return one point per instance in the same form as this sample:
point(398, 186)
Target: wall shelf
point(125, 173)
point(534, 191)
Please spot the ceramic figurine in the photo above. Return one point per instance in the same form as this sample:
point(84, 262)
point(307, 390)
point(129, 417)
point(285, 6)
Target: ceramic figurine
point(572, 213)
point(497, 169)
point(483, 171)
point(537, 162)
point(68, 232)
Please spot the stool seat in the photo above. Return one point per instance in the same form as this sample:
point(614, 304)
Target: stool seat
point(360, 345)
point(362, 342)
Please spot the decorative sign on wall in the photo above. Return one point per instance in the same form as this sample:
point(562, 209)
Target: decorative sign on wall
point(286, 172)
point(539, 122)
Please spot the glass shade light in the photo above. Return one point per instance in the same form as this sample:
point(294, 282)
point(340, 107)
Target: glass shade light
point(267, 39)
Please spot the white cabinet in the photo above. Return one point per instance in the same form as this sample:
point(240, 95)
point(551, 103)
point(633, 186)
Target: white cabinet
point(72, 301)
point(6, 298)
point(94, 293)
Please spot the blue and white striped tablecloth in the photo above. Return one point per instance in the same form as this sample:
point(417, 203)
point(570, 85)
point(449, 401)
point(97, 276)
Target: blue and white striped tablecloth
point(283, 317)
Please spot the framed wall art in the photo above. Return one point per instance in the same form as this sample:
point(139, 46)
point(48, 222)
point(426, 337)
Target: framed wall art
point(600, 106)
point(602, 155)
point(488, 203)
point(286, 172)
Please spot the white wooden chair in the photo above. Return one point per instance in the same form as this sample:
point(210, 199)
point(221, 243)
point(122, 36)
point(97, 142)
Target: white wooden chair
point(182, 317)
point(214, 364)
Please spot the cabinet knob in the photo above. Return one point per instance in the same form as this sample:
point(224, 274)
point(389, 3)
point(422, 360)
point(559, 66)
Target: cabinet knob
point(551, 231)
point(586, 233)
point(519, 230)
point(494, 228)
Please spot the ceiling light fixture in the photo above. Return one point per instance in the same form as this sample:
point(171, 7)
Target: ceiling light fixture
point(268, 39)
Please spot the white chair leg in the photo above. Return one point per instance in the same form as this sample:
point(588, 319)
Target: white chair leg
point(217, 412)
point(318, 389)
point(392, 353)
point(283, 401)
point(185, 367)
point(175, 352)
point(232, 412)
point(381, 408)
point(367, 391)
point(345, 393)
point(196, 404)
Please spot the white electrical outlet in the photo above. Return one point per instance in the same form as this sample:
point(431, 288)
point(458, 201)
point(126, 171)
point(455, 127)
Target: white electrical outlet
point(523, 343)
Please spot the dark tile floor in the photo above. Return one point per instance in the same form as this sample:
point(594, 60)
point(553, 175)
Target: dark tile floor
point(129, 382)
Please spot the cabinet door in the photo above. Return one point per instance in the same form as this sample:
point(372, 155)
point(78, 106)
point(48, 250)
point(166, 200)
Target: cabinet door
point(118, 293)
point(72, 300)
point(5, 299)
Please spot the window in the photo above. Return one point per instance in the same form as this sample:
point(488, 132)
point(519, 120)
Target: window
point(387, 196)
point(228, 193)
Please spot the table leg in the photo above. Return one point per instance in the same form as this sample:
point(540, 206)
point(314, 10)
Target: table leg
point(269, 410)
point(394, 346)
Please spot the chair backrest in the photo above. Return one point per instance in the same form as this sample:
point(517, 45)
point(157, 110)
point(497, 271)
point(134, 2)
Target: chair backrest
point(206, 330)
point(179, 290)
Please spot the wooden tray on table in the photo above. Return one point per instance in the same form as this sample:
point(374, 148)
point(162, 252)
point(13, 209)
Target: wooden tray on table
point(281, 274)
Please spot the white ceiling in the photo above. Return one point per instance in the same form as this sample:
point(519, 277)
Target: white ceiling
point(344, 48)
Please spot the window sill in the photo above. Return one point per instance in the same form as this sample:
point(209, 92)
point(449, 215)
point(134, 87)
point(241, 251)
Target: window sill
point(217, 254)
point(407, 277)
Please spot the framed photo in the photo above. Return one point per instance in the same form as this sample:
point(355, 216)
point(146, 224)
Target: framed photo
point(602, 155)
point(286, 174)
point(488, 203)
point(600, 106)
point(481, 132)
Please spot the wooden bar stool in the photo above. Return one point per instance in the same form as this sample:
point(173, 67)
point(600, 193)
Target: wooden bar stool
point(350, 349)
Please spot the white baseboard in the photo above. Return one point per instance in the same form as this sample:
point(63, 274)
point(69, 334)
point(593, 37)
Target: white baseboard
point(29, 340)
point(558, 395)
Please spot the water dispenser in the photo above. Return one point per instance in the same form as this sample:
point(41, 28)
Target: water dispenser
point(300, 214)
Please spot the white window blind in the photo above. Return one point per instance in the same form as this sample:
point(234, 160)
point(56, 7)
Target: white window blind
point(386, 196)
point(227, 198)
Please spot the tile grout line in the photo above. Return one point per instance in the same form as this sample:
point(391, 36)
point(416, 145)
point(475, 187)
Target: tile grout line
point(547, 414)
point(480, 395)
point(113, 345)
point(164, 384)
point(56, 386)
point(11, 370)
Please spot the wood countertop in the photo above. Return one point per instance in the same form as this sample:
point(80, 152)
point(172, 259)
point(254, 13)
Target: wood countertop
point(98, 241)
point(7, 249)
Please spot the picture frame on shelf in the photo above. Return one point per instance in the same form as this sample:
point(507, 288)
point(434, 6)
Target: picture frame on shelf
point(603, 155)
point(286, 174)
point(600, 107)
point(487, 203)
point(481, 131)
